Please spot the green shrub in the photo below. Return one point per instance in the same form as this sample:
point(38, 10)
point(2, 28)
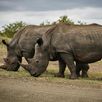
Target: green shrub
point(10, 29)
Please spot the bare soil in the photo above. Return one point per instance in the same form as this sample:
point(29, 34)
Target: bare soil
point(26, 90)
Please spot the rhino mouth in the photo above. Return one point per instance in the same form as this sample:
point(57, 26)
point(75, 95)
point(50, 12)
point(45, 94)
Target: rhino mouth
point(7, 67)
point(35, 74)
point(33, 71)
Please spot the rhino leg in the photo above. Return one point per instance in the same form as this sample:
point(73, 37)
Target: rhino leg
point(78, 69)
point(83, 67)
point(62, 66)
point(69, 60)
point(85, 70)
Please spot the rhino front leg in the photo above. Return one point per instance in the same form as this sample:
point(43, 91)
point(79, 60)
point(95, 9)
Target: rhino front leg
point(69, 60)
point(62, 66)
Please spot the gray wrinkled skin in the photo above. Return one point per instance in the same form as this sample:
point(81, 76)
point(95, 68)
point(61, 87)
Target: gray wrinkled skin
point(67, 43)
point(22, 45)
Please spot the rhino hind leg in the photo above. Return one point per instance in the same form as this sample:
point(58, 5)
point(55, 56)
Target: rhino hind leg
point(82, 67)
point(85, 69)
point(69, 60)
point(78, 69)
point(62, 66)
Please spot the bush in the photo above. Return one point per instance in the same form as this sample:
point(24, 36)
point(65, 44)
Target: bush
point(65, 19)
point(62, 19)
point(10, 29)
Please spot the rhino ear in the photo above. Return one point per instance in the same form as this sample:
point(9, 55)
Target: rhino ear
point(39, 41)
point(5, 43)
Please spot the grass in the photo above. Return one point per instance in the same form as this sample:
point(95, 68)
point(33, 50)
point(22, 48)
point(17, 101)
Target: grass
point(12, 74)
point(93, 81)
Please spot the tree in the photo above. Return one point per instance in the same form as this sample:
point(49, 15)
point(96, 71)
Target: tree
point(10, 29)
point(65, 19)
point(62, 19)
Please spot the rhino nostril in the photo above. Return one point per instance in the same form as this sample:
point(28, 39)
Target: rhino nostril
point(37, 61)
point(6, 60)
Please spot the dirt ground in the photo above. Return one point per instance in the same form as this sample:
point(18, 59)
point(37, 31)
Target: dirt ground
point(25, 90)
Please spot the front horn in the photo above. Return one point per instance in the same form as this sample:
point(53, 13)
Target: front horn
point(3, 67)
point(26, 67)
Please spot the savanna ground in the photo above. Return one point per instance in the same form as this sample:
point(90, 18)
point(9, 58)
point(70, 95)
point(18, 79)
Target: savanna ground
point(21, 87)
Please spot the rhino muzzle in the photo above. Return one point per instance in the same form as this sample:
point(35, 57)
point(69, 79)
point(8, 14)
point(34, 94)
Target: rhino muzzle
point(3, 67)
point(35, 74)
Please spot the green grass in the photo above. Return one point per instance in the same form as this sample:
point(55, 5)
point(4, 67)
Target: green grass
point(21, 73)
point(48, 76)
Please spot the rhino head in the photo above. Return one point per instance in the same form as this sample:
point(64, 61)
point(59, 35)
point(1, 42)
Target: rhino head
point(11, 61)
point(38, 64)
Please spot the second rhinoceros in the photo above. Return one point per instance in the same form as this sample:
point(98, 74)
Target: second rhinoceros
point(67, 43)
point(22, 45)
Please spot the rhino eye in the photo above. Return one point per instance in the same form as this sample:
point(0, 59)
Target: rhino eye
point(13, 62)
point(37, 61)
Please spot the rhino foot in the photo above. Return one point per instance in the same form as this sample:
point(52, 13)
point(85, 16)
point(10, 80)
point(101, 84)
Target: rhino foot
point(59, 75)
point(84, 76)
point(78, 75)
point(74, 76)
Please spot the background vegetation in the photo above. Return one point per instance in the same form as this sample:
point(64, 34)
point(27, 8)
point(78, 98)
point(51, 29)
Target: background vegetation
point(10, 29)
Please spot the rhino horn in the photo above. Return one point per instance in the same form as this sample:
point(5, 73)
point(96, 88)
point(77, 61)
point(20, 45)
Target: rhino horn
point(3, 67)
point(26, 67)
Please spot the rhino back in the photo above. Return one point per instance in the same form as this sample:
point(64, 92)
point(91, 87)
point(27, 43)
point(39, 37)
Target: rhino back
point(16, 37)
point(87, 45)
point(85, 42)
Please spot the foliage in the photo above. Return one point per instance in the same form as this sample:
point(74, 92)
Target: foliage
point(10, 29)
point(65, 19)
point(62, 19)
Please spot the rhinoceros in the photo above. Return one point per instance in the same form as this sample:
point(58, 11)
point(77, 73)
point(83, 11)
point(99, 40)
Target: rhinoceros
point(22, 45)
point(68, 44)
